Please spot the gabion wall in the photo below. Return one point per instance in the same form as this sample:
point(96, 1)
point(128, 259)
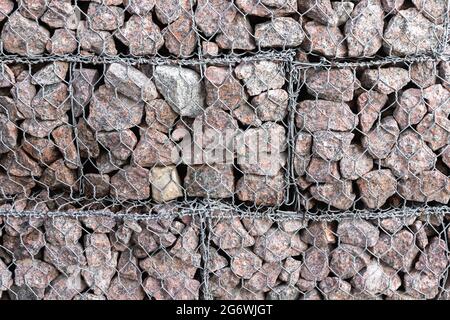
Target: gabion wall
point(212, 149)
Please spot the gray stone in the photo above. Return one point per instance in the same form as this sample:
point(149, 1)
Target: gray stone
point(181, 87)
point(166, 184)
point(376, 279)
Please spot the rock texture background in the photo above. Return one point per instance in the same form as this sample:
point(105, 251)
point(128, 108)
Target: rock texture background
point(318, 107)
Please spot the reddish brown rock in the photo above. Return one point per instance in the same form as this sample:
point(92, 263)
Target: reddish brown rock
point(96, 185)
point(376, 187)
point(276, 245)
point(428, 186)
point(358, 233)
point(236, 34)
point(23, 36)
point(154, 148)
point(159, 115)
point(6, 279)
point(315, 115)
point(169, 10)
point(86, 140)
point(385, 80)
point(82, 84)
point(139, 7)
point(209, 181)
point(382, 138)
point(435, 129)
point(324, 40)
point(334, 288)
point(355, 163)
point(410, 109)
point(131, 183)
point(141, 35)
point(98, 42)
point(397, 250)
point(271, 105)
point(51, 73)
point(62, 42)
point(406, 22)
point(32, 9)
point(315, 264)
point(182, 288)
point(65, 287)
point(51, 102)
point(6, 7)
point(110, 110)
point(179, 37)
point(282, 32)
point(23, 93)
point(338, 194)
point(334, 84)
point(421, 285)
point(364, 29)
point(210, 16)
point(433, 260)
point(376, 279)
point(119, 143)
point(319, 234)
point(223, 89)
point(331, 145)
point(302, 152)
point(370, 104)
point(23, 247)
point(261, 9)
point(230, 233)
point(320, 10)
point(423, 74)
point(265, 278)
point(59, 176)
point(410, 156)
point(34, 273)
point(61, 14)
point(257, 227)
point(320, 170)
point(434, 10)
point(7, 77)
point(347, 260)
point(122, 288)
point(65, 141)
point(260, 76)
point(245, 263)
point(19, 164)
point(260, 190)
point(105, 18)
point(343, 10)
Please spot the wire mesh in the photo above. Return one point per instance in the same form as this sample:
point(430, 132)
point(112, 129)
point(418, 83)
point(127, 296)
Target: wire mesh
point(246, 149)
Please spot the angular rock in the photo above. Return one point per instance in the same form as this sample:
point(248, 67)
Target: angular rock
point(236, 34)
point(119, 143)
point(166, 184)
point(364, 29)
point(265, 278)
point(376, 279)
point(110, 110)
point(398, 250)
point(421, 285)
point(169, 10)
point(385, 80)
point(370, 104)
point(96, 185)
point(62, 42)
point(131, 183)
point(334, 288)
point(347, 260)
point(434, 260)
point(319, 234)
point(245, 263)
point(65, 287)
point(59, 176)
point(343, 10)
point(7, 78)
point(34, 273)
point(426, 187)
point(181, 87)
point(315, 264)
point(6, 7)
point(139, 7)
point(159, 115)
point(23, 36)
point(290, 271)
point(276, 245)
point(410, 109)
point(381, 139)
point(260, 9)
point(355, 163)
point(338, 194)
point(302, 152)
point(23, 93)
point(179, 36)
point(223, 89)
point(130, 82)
point(230, 233)
point(161, 265)
point(319, 10)
point(260, 76)
point(65, 141)
point(260, 190)
point(32, 9)
point(435, 129)
point(182, 288)
point(358, 233)
point(98, 42)
point(10, 185)
point(82, 84)
point(334, 84)
point(410, 24)
point(125, 289)
point(6, 279)
point(282, 32)
point(209, 181)
point(324, 40)
point(423, 74)
point(315, 115)
point(51, 74)
point(105, 18)
point(257, 227)
point(51, 102)
point(19, 164)
point(376, 187)
point(410, 156)
point(434, 10)
point(141, 35)
point(211, 15)
point(23, 247)
point(61, 14)
point(154, 148)
point(86, 140)
point(331, 145)
point(271, 105)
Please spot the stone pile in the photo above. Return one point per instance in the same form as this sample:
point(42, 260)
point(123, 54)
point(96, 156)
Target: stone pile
point(395, 258)
point(375, 136)
point(125, 133)
point(335, 29)
point(98, 258)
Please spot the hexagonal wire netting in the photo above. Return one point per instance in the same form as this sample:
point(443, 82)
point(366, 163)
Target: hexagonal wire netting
point(211, 149)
